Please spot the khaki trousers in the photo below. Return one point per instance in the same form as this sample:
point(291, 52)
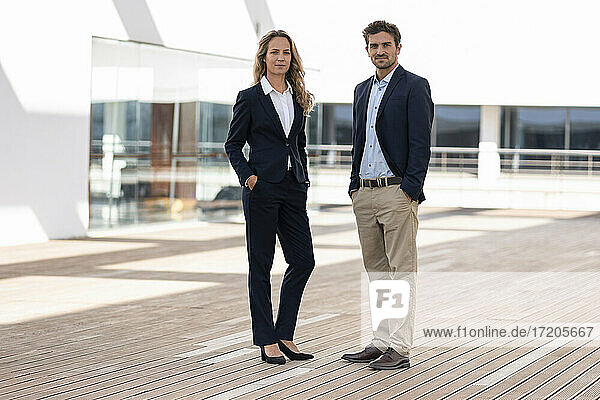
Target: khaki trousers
point(387, 228)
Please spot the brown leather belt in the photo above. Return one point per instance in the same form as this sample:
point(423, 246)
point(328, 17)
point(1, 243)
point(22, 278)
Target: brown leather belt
point(381, 182)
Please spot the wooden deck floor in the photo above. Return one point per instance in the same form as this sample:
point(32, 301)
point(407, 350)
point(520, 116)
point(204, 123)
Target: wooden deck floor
point(164, 314)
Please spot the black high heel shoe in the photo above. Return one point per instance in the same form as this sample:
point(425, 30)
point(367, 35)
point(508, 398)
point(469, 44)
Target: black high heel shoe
point(293, 355)
point(271, 360)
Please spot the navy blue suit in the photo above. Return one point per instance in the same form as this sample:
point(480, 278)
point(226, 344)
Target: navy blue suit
point(403, 127)
point(256, 122)
point(276, 206)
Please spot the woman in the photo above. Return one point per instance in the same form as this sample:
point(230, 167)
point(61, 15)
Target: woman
point(270, 117)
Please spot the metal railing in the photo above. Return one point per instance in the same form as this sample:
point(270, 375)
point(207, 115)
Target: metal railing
point(129, 181)
point(573, 162)
point(462, 159)
point(443, 159)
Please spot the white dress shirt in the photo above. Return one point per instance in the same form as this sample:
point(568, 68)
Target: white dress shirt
point(283, 102)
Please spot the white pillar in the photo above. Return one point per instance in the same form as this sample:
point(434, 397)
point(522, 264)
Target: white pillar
point(488, 164)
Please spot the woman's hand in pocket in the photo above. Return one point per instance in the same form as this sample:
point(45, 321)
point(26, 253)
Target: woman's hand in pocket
point(252, 181)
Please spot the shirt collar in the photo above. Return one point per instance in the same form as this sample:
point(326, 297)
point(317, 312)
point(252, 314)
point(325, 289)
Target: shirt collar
point(386, 78)
point(267, 88)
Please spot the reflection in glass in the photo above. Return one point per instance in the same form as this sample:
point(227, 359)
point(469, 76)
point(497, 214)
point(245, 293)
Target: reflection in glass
point(185, 187)
point(314, 130)
point(457, 126)
point(97, 127)
point(336, 130)
point(342, 114)
point(585, 128)
point(221, 116)
point(337, 124)
point(540, 128)
point(159, 120)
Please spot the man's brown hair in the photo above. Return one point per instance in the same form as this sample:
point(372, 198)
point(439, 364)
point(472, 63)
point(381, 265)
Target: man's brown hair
point(381, 26)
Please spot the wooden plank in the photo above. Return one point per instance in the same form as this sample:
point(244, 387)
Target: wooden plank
point(128, 350)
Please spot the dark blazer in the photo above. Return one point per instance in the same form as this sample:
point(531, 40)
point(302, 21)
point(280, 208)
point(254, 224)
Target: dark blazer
point(256, 121)
point(403, 129)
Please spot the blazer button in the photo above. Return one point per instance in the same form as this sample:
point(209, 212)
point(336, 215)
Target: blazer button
point(287, 144)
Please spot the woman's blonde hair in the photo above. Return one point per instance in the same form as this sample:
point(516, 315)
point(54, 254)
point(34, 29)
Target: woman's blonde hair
point(294, 75)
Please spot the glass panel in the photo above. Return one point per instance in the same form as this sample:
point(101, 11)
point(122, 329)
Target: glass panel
point(585, 128)
point(136, 174)
point(541, 128)
point(505, 127)
point(337, 130)
point(329, 136)
point(343, 123)
point(221, 117)
point(313, 135)
point(145, 120)
point(188, 129)
point(185, 186)
point(457, 126)
point(97, 121)
point(97, 115)
point(131, 121)
point(162, 131)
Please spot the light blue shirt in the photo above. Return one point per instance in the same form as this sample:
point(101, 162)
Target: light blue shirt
point(373, 164)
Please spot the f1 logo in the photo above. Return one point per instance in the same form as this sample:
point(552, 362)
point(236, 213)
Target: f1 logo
point(389, 299)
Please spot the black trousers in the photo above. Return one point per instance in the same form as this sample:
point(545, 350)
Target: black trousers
point(277, 209)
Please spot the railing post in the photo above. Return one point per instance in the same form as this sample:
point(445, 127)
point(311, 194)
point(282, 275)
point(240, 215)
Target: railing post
point(444, 159)
point(515, 163)
point(488, 158)
point(488, 162)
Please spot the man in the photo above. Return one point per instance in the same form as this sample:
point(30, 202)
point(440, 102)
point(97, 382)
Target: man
point(392, 117)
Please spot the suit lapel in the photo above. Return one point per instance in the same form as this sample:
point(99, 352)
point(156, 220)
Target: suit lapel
point(398, 74)
point(298, 115)
point(363, 103)
point(267, 104)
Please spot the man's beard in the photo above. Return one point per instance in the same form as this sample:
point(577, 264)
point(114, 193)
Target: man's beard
point(388, 64)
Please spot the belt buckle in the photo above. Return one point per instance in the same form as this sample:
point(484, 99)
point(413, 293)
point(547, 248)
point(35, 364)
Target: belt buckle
point(380, 182)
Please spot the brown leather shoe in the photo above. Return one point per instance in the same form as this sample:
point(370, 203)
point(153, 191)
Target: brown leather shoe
point(370, 353)
point(390, 359)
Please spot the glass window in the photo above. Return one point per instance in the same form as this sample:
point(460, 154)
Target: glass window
point(505, 113)
point(337, 124)
point(135, 173)
point(187, 128)
point(312, 125)
point(145, 120)
point(97, 127)
point(343, 123)
point(221, 117)
point(540, 128)
point(457, 126)
point(585, 128)
point(97, 121)
point(131, 130)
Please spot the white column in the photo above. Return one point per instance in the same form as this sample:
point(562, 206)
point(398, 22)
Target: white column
point(488, 167)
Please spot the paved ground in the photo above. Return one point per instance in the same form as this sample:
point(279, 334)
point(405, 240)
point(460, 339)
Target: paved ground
point(164, 314)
